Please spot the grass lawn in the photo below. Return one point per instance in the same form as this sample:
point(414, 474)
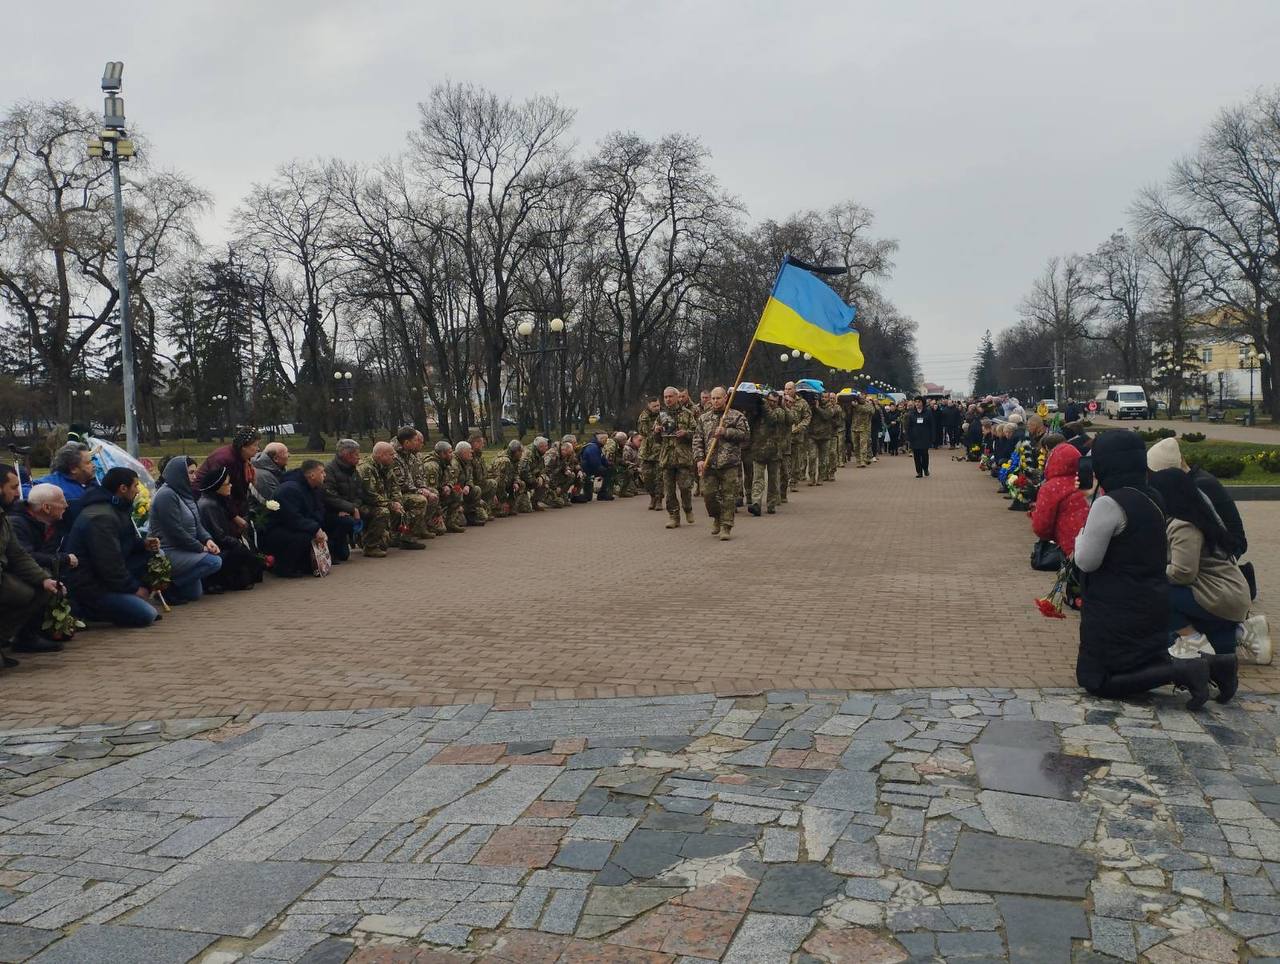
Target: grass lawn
point(1253, 473)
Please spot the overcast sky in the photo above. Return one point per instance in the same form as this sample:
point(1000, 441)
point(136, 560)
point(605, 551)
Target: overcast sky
point(986, 135)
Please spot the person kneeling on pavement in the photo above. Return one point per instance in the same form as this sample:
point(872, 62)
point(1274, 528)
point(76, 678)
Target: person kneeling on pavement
point(241, 567)
point(25, 587)
point(175, 521)
point(108, 584)
point(594, 464)
point(298, 523)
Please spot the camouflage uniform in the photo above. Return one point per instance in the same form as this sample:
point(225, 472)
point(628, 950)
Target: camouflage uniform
point(675, 459)
point(407, 469)
point(475, 504)
point(572, 479)
point(821, 431)
point(533, 478)
point(836, 443)
point(445, 478)
point(649, 474)
point(379, 489)
point(801, 416)
point(555, 494)
point(504, 475)
point(615, 474)
point(863, 410)
point(722, 475)
point(766, 456)
point(630, 483)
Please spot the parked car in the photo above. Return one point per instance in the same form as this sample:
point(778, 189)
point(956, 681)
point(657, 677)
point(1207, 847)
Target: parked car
point(1126, 401)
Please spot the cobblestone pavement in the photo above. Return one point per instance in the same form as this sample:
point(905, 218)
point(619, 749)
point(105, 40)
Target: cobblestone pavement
point(955, 824)
point(879, 581)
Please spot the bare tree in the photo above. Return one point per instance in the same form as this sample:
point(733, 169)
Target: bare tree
point(1061, 307)
point(288, 223)
point(495, 163)
point(1118, 279)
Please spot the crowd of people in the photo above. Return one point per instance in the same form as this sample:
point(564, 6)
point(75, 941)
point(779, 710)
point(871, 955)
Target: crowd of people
point(92, 546)
point(1147, 547)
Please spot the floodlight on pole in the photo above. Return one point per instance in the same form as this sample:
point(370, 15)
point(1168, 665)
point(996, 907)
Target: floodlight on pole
point(112, 145)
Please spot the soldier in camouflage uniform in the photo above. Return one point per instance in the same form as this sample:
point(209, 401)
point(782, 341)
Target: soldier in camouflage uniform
point(573, 477)
point(615, 475)
point(557, 486)
point(835, 443)
point(504, 480)
point(766, 455)
point(720, 470)
point(821, 431)
point(674, 431)
point(533, 474)
point(480, 473)
point(380, 503)
point(630, 483)
point(801, 416)
point(863, 411)
point(474, 512)
point(649, 474)
point(442, 475)
point(416, 497)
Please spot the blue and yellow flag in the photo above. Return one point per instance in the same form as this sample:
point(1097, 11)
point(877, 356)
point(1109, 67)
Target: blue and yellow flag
point(804, 312)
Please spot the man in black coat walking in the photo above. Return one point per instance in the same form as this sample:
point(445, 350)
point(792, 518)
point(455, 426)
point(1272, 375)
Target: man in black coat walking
point(920, 435)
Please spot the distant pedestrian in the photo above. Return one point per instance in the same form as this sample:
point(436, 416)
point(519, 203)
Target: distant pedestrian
point(920, 435)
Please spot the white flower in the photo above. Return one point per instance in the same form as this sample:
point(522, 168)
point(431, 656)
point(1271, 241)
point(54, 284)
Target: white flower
point(272, 505)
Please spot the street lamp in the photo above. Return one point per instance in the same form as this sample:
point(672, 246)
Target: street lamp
point(542, 327)
point(113, 145)
point(222, 409)
point(343, 397)
point(83, 396)
point(1254, 358)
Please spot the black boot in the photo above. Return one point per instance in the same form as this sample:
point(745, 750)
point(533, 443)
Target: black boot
point(1193, 675)
point(754, 508)
point(1222, 670)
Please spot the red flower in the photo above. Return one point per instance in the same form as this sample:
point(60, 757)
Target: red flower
point(270, 561)
point(403, 529)
point(1049, 610)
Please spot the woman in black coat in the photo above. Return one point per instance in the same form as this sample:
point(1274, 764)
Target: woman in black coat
point(920, 434)
point(1124, 621)
point(241, 566)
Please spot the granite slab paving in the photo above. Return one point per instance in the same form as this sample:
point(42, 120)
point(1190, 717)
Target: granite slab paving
point(788, 826)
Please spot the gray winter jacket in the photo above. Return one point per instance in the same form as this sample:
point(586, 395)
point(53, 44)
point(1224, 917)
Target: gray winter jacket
point(266, 476)
point(174, 516)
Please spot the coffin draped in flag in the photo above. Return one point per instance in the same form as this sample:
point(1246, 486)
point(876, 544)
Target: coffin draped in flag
point(804, 312)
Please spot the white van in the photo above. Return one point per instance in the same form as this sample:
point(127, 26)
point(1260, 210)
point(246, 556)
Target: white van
point(1126, 401)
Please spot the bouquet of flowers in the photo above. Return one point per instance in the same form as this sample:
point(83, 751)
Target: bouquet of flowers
point(1065, 592)
point(159, 576)
point(141, 505)
point(59, 623)
point(262, 511)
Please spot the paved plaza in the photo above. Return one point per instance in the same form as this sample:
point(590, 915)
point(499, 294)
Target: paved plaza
point(952, 824)
point(846, 736)
point(877, 581)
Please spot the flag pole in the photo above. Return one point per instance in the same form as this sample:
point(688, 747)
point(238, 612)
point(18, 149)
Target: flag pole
point(742, 369)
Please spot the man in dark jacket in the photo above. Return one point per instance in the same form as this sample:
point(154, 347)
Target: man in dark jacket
point(594, 464)
point(25, 588)
point(37, 524)
point(299, 522)
point(107, 585)
point(920, 435)
point(342, 494)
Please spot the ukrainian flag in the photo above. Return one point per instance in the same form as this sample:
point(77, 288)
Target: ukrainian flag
point(804, 312)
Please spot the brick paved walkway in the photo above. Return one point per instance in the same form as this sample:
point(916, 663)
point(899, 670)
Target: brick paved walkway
point(877, 581)
point(787, 828)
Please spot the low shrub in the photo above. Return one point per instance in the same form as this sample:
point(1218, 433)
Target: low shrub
point(1222, 466)
point(1193, 436)
point(1156, 434)
point(1270, 461)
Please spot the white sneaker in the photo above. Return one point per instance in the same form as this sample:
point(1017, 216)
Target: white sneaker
point(1190, 647)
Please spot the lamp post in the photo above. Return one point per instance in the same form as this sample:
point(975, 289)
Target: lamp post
point(543, 327)
point(222, 412)
point(85, 414)
point(113, 145)
point(1254, 358)
point(795, 363)
point(342, 397)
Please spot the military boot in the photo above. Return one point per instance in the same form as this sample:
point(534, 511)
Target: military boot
point(688, 514)
point(410, 544)
point(715, 527)
point(724, 533)
point(674, 522)
point(375, 552)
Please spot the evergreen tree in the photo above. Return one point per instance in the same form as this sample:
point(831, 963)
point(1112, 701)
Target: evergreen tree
point(984, 367)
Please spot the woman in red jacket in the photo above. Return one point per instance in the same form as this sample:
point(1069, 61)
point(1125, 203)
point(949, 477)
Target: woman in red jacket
point(1061, 507)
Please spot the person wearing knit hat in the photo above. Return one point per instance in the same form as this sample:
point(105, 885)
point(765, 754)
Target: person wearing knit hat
point(1124, 621)
point(241, 567)
point(1165, 454)
point(235, 458)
